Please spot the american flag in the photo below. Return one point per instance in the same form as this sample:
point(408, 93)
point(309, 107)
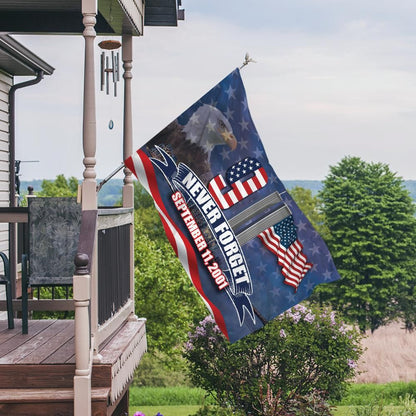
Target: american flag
point(281, 239)
point(235, 178)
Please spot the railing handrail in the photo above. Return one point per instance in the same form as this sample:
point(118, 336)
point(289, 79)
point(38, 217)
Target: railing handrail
point(102, 211)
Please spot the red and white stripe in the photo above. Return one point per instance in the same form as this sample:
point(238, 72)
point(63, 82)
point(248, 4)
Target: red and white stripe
point(293, 262)
point(142, 167)
point(240, 189)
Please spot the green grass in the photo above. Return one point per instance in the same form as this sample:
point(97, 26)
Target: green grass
point(184, 401)
point(169, 396)
point(363, 394)
point(165, 410)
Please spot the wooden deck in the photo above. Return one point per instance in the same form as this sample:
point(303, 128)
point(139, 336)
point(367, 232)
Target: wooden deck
point(38, 368)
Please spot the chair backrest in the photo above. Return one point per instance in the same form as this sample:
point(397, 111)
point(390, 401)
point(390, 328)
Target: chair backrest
point(54, 226)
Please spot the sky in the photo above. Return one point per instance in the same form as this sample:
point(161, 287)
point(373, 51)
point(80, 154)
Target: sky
point(332, 78)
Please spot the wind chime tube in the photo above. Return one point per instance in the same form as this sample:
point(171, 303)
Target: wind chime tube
point(102, 71)
point(118, 67)
point(107, 76)
point(113, 59)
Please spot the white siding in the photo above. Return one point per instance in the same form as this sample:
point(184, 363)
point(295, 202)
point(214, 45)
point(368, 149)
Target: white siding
point(5, 84)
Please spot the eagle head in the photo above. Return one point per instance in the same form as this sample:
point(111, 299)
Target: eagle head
point(208, 127)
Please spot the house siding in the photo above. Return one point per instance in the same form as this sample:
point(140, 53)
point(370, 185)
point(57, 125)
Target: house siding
point(6, 82)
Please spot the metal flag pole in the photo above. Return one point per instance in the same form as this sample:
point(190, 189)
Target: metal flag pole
point(106, 179)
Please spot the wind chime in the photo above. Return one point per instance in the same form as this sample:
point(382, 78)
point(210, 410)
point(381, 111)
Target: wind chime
point(106, 69)
point(110, 66)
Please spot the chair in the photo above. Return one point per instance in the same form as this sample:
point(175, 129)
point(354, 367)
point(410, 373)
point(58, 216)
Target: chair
point(54, 226)
point(5, 280)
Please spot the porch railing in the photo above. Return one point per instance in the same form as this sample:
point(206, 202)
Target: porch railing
point(112, 287)
point(114, 300)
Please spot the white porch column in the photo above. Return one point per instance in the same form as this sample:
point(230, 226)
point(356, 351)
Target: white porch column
point(84, 289)
point(89, 195)
point(128, 189)
point(127, 56)
point(88, 191)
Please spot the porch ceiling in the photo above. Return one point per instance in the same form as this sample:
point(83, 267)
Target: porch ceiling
point(64, 16)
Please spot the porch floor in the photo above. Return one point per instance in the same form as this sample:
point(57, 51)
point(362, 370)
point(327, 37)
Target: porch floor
point(40, 366)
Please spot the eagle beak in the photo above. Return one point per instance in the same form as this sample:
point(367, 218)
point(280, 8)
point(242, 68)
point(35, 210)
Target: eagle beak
point(229, 139)
point(232, 142)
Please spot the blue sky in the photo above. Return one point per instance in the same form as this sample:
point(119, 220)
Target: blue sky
point(332, 78)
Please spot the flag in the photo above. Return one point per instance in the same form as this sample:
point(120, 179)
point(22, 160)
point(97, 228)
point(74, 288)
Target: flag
point(281, 239)
point(248, 249)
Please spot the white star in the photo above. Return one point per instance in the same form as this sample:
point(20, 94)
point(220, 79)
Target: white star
point(225, 153)
point(243, 125)
point(315, 249)
point(258, 152)
point(276, 291)
point(230, 92)
point(229, 114)
point(290, 297)
point(261, 267)
point(210, 126)
point(194, 119)
point(244, 102)
point(244, 144)
point(327, 275)
point(301, 225)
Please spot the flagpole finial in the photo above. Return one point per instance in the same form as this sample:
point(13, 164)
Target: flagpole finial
point(247, 60)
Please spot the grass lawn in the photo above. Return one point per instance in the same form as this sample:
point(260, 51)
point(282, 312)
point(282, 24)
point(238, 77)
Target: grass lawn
point(189, 410)
point(165, 410)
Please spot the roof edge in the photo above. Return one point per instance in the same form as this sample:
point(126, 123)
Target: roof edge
point(24, 55)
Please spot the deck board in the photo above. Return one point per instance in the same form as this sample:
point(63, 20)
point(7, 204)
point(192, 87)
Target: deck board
point(20, 339)
point(54, 343)
point(63, 354)
point(45, 358)
point(37, 344)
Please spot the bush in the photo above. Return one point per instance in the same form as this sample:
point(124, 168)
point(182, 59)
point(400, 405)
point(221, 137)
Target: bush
point(295, 355)
point(154, 371)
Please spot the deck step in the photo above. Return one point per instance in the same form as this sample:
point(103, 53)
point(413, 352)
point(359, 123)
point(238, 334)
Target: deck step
point(40, 402)
point(48, 395)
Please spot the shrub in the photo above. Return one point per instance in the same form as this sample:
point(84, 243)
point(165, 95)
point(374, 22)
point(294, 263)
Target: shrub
point(295, 355)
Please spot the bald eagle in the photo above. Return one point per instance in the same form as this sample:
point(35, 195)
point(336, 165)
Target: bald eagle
point(193, 143)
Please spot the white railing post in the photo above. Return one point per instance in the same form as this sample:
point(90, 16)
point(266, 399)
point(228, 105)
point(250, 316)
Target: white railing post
point(83, 359)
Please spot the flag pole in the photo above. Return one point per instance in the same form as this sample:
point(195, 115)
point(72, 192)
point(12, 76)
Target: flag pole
point(105, 180)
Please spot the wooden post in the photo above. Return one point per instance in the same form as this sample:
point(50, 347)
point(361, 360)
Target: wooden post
point(128, 189)
point(89, 184)
point(85, 285)
point(83, 365)
point(89, 195)
point(127, 56)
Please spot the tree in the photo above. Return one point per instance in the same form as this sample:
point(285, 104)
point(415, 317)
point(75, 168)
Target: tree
point(310, 206)
point(370, 217)
point(163, 292)
point(60, 187)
